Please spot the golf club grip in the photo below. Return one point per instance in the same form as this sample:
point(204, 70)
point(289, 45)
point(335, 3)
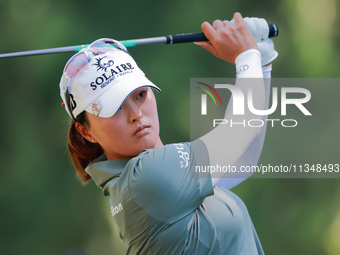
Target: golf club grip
point(199, 37)
point(184, 38)
point(273, 30)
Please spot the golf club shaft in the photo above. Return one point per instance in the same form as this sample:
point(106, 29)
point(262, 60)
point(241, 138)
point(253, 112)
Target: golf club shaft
point(169, 39)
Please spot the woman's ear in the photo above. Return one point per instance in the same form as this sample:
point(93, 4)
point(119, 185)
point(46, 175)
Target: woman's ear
point(85, 132)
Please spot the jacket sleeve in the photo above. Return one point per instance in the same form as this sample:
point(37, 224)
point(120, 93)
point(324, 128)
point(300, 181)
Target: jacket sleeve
point(164, 181)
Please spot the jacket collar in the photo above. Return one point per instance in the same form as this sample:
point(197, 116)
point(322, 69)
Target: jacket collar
point(102, 170)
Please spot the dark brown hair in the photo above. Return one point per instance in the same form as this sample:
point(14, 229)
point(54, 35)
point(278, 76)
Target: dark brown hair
point(82, 152)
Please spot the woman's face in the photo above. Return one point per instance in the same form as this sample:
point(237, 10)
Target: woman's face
point(133, 128)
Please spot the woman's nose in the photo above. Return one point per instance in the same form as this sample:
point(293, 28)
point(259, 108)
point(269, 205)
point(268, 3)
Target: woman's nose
point(135, 112)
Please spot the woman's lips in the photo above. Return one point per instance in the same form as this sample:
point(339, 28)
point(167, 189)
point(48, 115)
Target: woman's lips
point(142, 130)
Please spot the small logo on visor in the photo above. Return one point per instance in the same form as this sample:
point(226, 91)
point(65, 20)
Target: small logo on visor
point(72, 103)
point(95, 108)
point(103, 65)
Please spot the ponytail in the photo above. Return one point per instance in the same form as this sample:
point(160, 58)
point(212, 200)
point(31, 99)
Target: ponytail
point(82, 152)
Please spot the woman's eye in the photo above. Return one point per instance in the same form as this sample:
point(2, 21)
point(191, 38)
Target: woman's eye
point(142, 94)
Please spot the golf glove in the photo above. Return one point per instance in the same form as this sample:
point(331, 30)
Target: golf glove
point(268, 53)
point(260, 30)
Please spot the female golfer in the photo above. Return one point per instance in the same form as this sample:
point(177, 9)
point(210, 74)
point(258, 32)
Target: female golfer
point(160, 204)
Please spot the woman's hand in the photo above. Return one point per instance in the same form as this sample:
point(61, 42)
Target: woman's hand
point(227, 41)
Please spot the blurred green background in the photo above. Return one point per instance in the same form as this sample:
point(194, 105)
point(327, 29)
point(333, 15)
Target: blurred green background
point(45, 210)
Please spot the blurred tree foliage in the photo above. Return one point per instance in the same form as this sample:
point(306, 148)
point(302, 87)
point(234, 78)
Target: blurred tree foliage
point(45, 210)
